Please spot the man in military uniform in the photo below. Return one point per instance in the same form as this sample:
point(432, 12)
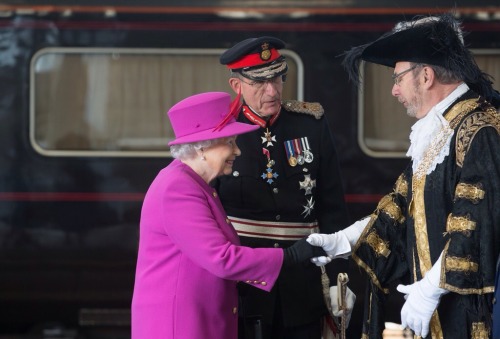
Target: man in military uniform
point(438, 231)
point(284, 186)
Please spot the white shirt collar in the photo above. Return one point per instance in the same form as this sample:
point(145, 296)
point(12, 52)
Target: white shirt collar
point(426, 129)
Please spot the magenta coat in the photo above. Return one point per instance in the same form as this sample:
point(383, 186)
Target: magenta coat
point(189, 262)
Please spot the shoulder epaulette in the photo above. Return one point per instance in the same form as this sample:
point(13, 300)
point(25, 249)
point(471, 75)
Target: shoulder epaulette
point(313, 108)
point(470, 125)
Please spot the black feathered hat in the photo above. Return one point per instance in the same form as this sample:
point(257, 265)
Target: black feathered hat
point(435, 40)
point(256, 58)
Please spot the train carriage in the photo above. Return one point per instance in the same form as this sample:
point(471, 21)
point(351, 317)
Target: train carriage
point(84, 90)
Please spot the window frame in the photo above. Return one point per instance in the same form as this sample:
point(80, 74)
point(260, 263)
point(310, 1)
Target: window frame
point(362, 104)
point(135, 51)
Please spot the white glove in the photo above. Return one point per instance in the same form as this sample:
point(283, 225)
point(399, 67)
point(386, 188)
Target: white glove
point(422, 299)
point(350, 298)
point(321, 261)
point(337, 244)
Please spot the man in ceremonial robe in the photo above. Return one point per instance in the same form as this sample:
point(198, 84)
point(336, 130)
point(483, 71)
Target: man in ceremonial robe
point(438, 231)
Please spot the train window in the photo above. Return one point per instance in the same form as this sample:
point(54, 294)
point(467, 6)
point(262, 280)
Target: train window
point(113, 102)
point(383, 126)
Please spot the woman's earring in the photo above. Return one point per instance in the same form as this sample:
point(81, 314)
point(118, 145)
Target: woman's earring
point(203, 157)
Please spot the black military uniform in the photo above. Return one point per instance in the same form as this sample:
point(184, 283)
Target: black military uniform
point(284, 186)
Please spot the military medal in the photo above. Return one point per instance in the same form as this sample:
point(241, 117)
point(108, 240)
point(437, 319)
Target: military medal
point(268, 175)
point(290, 153)
point(308, 207)
point(308, 155)
point(308, 184)
point(298, 149)
point(268, 138)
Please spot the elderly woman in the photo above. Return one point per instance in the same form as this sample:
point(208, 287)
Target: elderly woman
point(189, 259)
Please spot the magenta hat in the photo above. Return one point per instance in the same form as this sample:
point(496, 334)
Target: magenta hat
point(205, 116)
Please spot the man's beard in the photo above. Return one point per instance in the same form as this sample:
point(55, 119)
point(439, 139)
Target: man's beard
point(415, 104)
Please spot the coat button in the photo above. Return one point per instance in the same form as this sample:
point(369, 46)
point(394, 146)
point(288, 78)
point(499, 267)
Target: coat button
point(263, 283)
point(236, 173)
point(214, 194)
point(275, 190)
point(276, 245)
point(278, 217)
point(235, 310)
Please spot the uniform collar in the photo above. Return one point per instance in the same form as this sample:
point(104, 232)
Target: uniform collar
point(257, 119)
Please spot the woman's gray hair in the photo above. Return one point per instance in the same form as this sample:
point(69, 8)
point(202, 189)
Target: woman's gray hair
point(189, 150)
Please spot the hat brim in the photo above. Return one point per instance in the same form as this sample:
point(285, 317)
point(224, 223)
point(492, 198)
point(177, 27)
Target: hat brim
point(233, 128)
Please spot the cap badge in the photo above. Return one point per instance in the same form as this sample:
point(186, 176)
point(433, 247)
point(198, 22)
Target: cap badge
point(266, 53)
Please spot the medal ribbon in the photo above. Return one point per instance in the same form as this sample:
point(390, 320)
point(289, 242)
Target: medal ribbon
point(289, 149)
point(297, 146)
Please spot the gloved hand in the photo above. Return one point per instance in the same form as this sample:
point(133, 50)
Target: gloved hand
point(350, 299)
point(338, 244)
point(300, 252)
point(422, 299)
point(334, 244)
point(321, 261)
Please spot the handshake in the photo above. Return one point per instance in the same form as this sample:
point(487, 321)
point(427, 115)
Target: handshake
point(322, 248)
point(319, 248)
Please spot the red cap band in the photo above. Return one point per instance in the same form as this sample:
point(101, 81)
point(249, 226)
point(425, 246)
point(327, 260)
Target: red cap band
point(255, 59)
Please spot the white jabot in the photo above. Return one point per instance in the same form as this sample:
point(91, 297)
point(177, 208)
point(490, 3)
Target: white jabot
point(426, 129)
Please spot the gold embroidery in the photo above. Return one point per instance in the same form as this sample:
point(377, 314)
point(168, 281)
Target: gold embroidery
point(451, 288)
point(417, 204)
point(360, 262)
point(436, 145)
point(418, 211)
point(370, 273)
point(460, 264)
point(378, 245)
point(313, 108)
point(470, 192)
point(484, 290)
point(457, 112)
point(479, 331)
point(435, 326)
point(387, 205)
point(468, 130)
point(460, 224)
point(401, 186)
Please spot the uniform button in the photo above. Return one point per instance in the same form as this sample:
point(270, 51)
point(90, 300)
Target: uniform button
point(263, 283)
point(275, 190)
point(276, 245)
point(236, 174)
point(278, 217)
point(235, 310)
point(214, 194)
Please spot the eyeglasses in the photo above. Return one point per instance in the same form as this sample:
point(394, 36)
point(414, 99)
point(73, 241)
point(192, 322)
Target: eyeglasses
point(398, 76)
point(258, 84)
